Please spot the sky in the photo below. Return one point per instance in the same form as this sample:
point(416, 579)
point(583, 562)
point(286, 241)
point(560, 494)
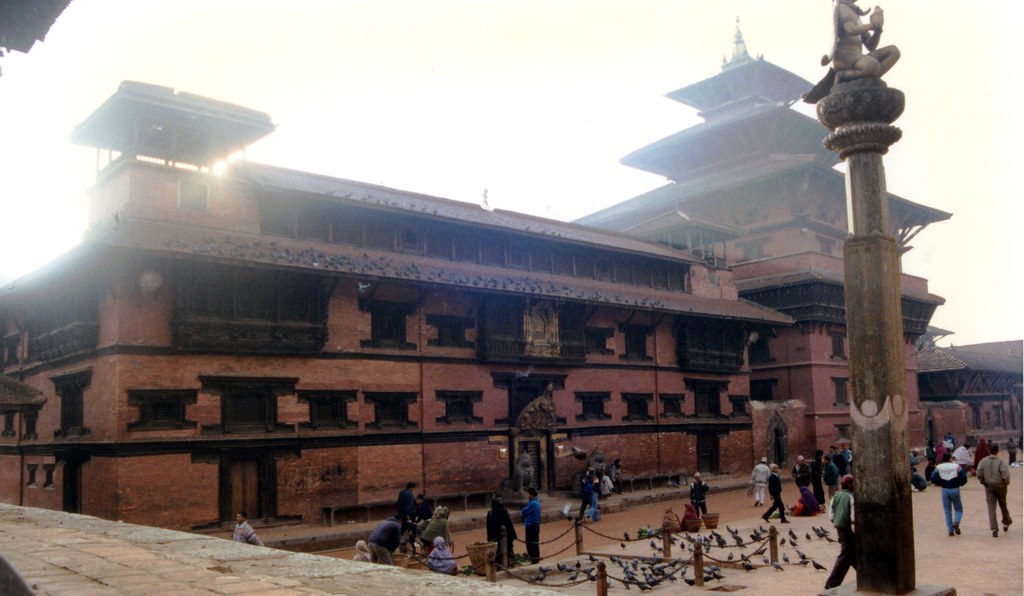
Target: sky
point(532, 101)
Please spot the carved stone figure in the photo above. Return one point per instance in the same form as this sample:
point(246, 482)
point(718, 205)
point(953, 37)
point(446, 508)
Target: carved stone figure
point(539, 413)
point(524, 471)
point(847, 58)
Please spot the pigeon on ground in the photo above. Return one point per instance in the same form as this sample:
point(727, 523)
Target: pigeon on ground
point(807, 536)
point(777, 566)
point(818, 565)
point(801, 553)
point(785, 558)
point(746, 566)
point(792, 535)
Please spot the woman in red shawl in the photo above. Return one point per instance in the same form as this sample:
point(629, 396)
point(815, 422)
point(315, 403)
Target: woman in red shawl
point(980, 452)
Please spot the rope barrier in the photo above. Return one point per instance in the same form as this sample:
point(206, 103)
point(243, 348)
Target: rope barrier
point(571, 528)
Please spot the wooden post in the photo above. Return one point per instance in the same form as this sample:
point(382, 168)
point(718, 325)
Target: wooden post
point(489, 556)
point(602, 579)
point(666, 540)
point(579, 536)
point(773, 544)
point(698, 564)
point(504, 548)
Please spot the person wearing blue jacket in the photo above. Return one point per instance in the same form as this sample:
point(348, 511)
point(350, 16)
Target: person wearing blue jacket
point(587, 494)
point(531, 521)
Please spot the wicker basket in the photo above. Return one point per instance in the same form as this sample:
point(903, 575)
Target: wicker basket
point(711, 520)
point(692, 525)
point(478, 555)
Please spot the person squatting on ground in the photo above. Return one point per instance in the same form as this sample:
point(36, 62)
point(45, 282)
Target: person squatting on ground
point(842, 519)
point(386, 537)
point(438, 526)
point(245, 533)
point(994, 475)
point(441, 559)
point(759, 477)
point(498, 518)
point(421, 514)
point(699, 494)
point(950, 476)
point(531, 522)
point(775, 491)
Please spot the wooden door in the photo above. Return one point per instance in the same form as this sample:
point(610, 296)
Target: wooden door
point(707, 453)
point(245, 487)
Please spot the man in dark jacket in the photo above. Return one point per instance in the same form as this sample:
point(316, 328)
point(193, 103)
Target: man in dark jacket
point(816, 473)
point(406, 503)
point(386, 537)
point(498, 518)
point(775, 491)
point(586, 492)
point(699, 494)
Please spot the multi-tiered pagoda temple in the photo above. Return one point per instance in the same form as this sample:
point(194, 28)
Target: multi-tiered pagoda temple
point(753, 192)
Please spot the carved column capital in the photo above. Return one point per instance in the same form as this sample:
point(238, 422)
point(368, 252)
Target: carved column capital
point(860, 113)
point(860, 137)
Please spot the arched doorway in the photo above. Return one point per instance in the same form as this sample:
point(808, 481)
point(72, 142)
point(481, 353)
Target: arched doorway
point(778, 440)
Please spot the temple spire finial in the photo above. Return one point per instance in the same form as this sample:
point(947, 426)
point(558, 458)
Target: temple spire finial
point(739, 49)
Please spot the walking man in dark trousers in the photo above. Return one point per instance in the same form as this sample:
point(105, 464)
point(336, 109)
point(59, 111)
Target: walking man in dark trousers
point(842, 518)
point(531, 521)
point(775, 492)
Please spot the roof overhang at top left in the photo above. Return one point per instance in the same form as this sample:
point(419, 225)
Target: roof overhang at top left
point(24, 22)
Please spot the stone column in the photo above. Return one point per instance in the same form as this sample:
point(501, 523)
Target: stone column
point(860, 113)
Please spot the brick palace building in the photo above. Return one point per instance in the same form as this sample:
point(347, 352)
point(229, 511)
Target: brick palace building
point(281, 342)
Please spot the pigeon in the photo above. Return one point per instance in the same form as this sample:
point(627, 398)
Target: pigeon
point(803, 562)
point(689, 582)
point(592, 558)
point(785, 558)
point(626, 536)
point(792, 535)
point(730, 557)
point(562, 568)
point(538, 578)
point(544, 570)
point(622, 545)
point(777, 566)
point(746, 566)
point(782, 542)
point(720, 540)
point(801, 553)
point(573, 577)
point(766, 561)
point(818, 565)
point(828, 539)
point(738, 539)
point(635, 563)
point(654, 545)
point(807, 536)
point(730, 530)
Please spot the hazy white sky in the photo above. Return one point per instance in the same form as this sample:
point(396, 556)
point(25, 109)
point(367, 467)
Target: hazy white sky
point(535, 101)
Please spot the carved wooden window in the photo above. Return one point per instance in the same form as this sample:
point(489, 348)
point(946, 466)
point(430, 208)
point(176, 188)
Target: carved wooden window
point(754, 249)
point(391, 410)
point(492, 252)
point(8, 425)
point(240, 310)
point(841, 385)
point(276, 219)
point(659, 276)
point(540, 258)
point(706, 396)
point(838, 345)
point(387, 325)
point(248, 404)
point(11, 344)
point(193, 196)
point(30, 419)
point(71, 390)
point(638, 406)
point(762, 390)
point(672, 405)
point(501, 329)
point(314, 224)
point(710, 345)
point(380, 234)
point(677, 278)
point(602, 269)
point(572, 336)
point(467, 248)
point(31, 470)
point(622, 271)
point(759, 351)
point(562, 262)
point(346, 228)
point(518, 256)
point(327, 408)
point(593, 405)
point(597, 340)
point(451, 331)
point(161, 408)
point(439, 244)
point(642, 275)
point(66, 324)
point(635, 342)
point(584, 265)
point(458, 406)
point(739, 404)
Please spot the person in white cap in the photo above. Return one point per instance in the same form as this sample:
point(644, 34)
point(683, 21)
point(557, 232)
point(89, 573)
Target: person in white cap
point(759, 479)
